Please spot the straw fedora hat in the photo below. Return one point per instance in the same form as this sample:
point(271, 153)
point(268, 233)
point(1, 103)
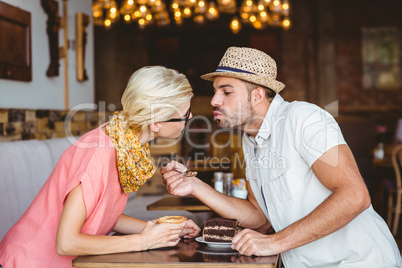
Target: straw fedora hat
point(250, 65)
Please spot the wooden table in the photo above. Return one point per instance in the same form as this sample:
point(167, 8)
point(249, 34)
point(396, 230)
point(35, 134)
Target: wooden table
point(178, 203)
point(188, 253)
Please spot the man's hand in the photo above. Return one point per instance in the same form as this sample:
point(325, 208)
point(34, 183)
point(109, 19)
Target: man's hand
point(176, 183)
point(249, 242)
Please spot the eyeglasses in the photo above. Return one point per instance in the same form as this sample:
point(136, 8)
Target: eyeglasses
point(187, 116)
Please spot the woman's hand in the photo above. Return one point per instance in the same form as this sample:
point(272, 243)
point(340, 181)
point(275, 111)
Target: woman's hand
point(176, 183)
point(190, 230)
point(156, 235)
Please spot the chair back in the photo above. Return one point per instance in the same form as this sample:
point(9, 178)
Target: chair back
point(397, 163)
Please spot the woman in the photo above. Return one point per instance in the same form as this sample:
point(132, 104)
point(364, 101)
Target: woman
point(84, 197)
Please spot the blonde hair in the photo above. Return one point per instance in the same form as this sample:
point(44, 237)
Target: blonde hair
point(154, 94)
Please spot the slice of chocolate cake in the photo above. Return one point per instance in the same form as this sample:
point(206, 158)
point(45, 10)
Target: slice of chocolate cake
point(220, 230)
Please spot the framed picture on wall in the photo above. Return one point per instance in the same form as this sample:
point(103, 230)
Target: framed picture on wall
point(82, 21)
point(15, 44)
point(381, 58)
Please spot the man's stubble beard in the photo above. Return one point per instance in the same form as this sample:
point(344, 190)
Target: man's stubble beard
point(237, 119)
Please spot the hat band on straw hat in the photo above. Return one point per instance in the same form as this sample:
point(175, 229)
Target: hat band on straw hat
point(231, 69)
point(250, 65)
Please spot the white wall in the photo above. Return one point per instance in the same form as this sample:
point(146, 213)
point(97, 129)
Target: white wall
point(44, 92)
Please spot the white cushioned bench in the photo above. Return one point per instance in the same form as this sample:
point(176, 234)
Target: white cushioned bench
point(26, 165)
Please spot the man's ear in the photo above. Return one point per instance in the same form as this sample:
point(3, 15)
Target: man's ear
point(154, 127)
point(258, 95)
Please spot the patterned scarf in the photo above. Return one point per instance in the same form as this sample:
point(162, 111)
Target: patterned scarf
point(134, 162)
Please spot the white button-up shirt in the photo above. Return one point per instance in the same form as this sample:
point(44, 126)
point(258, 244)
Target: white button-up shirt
point(278, 167)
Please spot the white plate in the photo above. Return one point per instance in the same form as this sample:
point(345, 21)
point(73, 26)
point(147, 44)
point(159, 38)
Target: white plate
point(214, 244)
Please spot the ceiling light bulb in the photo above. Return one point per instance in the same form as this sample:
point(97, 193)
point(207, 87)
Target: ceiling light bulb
point(286, 23)
point(264, 18)
point(213, 13)
point(137, 14)
point(141, 22)
point(108, 23)
point(187, 12)
point(257, 24)
point(235, 25)
point(177, 14)
point(97, 11)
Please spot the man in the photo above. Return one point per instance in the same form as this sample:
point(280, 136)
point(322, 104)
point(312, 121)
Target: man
point(302, 178)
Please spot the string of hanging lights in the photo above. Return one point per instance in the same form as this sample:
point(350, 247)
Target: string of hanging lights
point(265, 13)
